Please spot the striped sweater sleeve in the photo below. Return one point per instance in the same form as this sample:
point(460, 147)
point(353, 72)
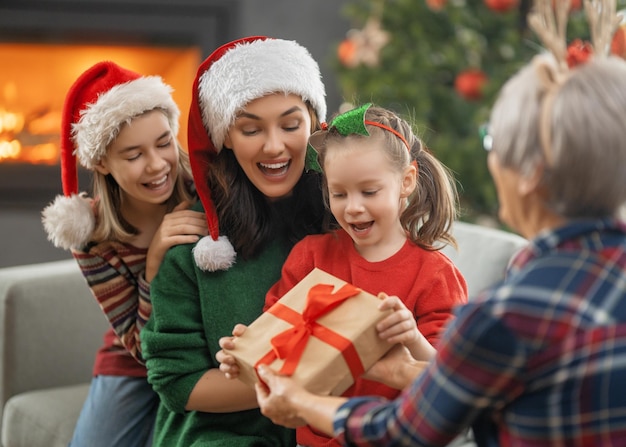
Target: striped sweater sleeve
point(115, 275)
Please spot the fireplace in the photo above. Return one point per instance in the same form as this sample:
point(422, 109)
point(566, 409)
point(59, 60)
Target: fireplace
point(33, 84)
point(45, 45)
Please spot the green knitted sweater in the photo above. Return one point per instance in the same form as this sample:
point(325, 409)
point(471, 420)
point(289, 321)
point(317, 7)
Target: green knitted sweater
point(191, 310)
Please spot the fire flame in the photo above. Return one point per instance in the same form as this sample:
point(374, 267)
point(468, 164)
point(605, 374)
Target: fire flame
point(10, 125)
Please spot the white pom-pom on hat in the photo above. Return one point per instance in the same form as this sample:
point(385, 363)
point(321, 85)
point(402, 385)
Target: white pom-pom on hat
point(69, 221)
point(232, 76)
point(211, 255)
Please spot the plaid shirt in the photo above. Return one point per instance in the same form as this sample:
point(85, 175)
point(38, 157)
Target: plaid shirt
point(538, 360)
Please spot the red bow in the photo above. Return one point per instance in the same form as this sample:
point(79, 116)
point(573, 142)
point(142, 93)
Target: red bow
point(290, 344)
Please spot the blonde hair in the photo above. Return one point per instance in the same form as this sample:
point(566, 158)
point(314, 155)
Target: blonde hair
point(110, 224)
point(584, 176)
point(433, 205)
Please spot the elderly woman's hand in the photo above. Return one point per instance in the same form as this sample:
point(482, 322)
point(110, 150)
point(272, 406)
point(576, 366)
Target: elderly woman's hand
point(277, 397)
point(396, 369)
point(287, 403)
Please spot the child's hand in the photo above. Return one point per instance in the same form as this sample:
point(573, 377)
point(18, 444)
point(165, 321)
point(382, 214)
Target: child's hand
point(228, 363)
point(400, 325)
point(180, 226)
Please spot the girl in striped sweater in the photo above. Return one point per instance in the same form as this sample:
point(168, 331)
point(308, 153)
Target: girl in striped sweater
point(123, 128)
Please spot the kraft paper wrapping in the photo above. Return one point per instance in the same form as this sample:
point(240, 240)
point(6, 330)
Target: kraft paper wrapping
point(322, 368)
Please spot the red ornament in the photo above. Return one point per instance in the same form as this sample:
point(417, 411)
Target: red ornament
point(578, 52)
point(618, 44)
point(346, 51)
point(501, 5)
point(436, 5)
point(469, 84)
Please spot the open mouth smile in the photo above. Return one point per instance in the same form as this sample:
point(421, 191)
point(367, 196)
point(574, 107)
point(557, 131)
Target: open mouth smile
point(274, 169)
point(361, 227)
point(157, 184)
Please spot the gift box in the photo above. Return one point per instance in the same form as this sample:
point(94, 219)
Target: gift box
point(322, 333)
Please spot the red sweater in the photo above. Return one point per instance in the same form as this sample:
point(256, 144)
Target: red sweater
point(426, 281)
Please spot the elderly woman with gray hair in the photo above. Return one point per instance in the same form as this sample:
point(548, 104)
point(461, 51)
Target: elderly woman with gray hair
point(539, 359)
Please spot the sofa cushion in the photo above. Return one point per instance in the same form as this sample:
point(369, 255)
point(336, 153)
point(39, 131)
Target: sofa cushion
point(45, 417)
point(483, 254)
point(50, 328)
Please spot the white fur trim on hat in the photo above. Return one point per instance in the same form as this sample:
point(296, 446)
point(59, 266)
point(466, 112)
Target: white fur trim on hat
point(101, 121)
point(211, 255)
point(252, 70)
point(69, 221)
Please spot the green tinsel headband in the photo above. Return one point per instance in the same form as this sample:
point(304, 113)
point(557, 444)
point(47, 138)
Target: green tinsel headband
point(350, 123)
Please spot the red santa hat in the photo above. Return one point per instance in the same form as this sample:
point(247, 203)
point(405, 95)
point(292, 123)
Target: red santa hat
point(235, 74)
point(99, 102)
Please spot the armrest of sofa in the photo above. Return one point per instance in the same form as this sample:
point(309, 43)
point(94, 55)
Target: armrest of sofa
point(483, 254)
point(50, 327)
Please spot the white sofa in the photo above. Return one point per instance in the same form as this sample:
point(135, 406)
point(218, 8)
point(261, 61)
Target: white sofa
point(50, 329)
point(51, 326)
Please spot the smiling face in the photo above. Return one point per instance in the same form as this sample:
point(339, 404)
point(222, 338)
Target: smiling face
point(269, 139)
point(143, 160)
point(367, 195)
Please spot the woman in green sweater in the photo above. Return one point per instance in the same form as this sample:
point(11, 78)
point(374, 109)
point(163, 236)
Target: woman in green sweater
point(255, 103)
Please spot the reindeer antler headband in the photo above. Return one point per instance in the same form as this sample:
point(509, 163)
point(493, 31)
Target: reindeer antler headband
point(548, 20)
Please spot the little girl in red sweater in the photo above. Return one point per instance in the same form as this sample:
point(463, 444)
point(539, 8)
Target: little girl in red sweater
point(395, 204)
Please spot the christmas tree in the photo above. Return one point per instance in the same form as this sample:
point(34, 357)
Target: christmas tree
point(440, 63)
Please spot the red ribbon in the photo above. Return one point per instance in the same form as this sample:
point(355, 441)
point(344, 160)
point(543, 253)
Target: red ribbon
point(290, 344)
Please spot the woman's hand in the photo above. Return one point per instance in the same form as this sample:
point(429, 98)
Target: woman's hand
point(179, 226)
point(228, 363)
